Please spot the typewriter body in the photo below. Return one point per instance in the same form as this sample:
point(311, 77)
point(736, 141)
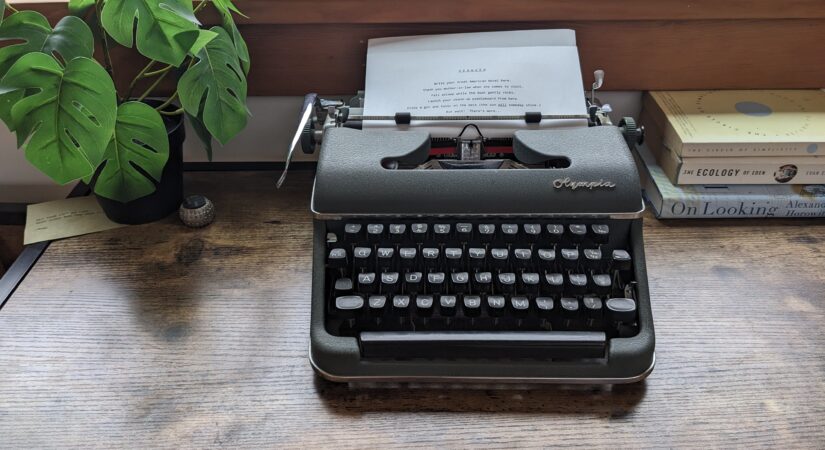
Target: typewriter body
point(468, 259)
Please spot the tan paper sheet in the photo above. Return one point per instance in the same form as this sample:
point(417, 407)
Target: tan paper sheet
point(64, 218)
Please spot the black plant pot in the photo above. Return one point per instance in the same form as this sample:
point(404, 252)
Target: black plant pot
point(169, 193)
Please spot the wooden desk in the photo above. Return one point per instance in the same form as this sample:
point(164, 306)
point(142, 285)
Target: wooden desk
point(163, 336)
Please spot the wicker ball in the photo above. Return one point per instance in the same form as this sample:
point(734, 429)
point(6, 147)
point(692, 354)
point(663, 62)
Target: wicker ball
point(197, 211)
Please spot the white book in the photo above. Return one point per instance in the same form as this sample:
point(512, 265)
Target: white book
point(732, 170)
point(745, 170)
point(734, 123)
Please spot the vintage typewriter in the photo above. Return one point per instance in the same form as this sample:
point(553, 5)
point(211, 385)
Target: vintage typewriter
point(476, 260)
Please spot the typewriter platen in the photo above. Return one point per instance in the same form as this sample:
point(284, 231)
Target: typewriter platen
point(471, 259)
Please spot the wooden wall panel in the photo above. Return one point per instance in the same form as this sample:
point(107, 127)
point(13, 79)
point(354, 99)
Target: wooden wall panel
point(644, 55)
point(299, 46)
point(444, 11)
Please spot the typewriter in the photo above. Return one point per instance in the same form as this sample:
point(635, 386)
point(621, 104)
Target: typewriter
point(472, 259)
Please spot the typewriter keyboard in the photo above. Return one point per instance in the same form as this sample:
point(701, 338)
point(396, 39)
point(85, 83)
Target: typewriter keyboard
point(480, 288)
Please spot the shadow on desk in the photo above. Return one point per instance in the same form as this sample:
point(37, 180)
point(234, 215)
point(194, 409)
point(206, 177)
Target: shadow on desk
point(745, 224)
point(614, 401)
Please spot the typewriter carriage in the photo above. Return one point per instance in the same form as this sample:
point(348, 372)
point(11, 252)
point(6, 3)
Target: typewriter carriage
point(328, 113)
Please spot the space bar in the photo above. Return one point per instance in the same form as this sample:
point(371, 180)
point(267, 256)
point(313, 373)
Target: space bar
point(470, 344)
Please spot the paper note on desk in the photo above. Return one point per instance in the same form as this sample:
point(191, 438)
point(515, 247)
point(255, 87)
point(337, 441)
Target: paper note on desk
point(475, 74)
point(64, 218)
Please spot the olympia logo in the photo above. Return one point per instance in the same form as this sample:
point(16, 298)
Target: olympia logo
point(567, 183)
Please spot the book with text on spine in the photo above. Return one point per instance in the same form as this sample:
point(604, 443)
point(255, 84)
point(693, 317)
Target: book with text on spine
point(739, 122)
point(734, 169)
point(719, 201)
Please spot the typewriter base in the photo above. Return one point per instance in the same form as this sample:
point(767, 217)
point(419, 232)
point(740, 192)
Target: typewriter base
point(378, 381)
point(338, 358)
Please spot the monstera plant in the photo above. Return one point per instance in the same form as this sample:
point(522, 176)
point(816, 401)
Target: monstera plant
point(74, 124)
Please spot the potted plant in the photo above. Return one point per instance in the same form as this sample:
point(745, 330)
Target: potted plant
point(74, 124)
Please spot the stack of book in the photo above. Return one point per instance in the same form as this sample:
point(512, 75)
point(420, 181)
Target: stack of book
point(734, 153)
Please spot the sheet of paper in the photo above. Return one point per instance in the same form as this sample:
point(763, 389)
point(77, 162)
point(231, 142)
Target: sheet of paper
point(476, 74)
point(64, 218)
point(487, 39)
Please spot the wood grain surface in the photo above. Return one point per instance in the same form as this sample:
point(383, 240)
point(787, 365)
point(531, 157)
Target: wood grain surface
point(273, 12)
point(635, 55)
point(163, 336)
point(300, 46)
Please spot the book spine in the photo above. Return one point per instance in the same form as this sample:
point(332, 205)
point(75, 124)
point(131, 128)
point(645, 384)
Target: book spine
point(714, 150)
point(735, 171)
point(709, 207)
point(674, 202)
point(679, 133)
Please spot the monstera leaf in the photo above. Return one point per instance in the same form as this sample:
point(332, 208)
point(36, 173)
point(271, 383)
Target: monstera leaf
point(29, 27)
point(196, 39)
point(226, 6)
point(140, 146)
point(240, 45)
point(203, 134)
point(67, 116)
point(70, 38)
point(214, 89)
point(159, 22)
point(79, 7)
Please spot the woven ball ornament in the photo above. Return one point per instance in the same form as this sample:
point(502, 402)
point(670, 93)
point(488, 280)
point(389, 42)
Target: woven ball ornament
point(197, 211)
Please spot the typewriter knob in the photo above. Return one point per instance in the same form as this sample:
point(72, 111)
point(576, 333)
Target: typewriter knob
point(343, 114)
point(633, 134)
point(308, 138)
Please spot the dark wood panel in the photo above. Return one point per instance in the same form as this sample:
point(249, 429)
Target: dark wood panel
point(163, 336)
point(424, 11)
point(11, 244)
point(299, 46)
point(330, 59)
point(295, 59)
